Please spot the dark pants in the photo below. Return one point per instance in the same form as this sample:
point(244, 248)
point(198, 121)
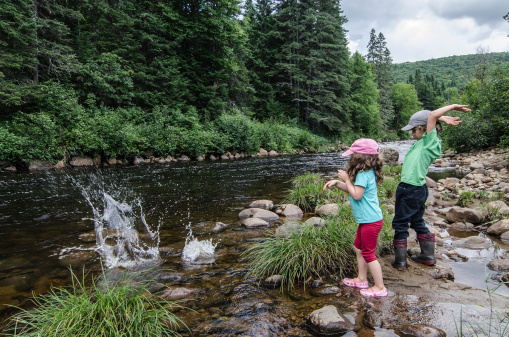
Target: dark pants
point(409, 209)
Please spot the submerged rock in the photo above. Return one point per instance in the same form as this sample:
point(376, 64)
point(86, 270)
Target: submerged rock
point(420, 330)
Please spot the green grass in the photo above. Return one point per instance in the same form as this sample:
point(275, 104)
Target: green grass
point(313, 251)
point(123, 308)
point(307, 192)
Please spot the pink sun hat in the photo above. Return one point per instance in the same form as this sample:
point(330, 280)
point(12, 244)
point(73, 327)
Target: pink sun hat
point(363, 146)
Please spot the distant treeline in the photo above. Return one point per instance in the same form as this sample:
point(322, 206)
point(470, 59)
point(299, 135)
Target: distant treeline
point(453, 71)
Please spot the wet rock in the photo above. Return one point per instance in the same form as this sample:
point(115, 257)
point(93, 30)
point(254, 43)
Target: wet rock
point(420, 330)
point(328, 321)
point(328, 210)
point(292, 211)
point(265, 204)
point(220, 227)
point(371, 316)
point(458, 214)
point(258, 213)
point(179, 294)
point(499, 265)
point(254, 223)
point(171, 278)
point(316, 222)
point(463, 226)
point(389, 156)
point(473, 242)
point(325, 291)
point(77, 259)
point(273, 281)
point(505, 279)
point(499, 227)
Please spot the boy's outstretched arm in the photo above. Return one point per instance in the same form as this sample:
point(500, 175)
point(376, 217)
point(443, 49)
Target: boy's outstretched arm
point(440, 112)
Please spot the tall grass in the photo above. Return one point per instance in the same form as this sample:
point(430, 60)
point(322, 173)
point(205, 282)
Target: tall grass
point(313, 251)
point(124, 308)
point(307, 192)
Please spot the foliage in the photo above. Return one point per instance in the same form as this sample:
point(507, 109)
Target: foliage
point(406, 103)
point(465, 199)
point(103, 309)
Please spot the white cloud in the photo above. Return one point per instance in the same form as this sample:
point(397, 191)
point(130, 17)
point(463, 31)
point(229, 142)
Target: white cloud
point(424, 29)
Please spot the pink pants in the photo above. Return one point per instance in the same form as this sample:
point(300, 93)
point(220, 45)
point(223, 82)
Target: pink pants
point(367, 238)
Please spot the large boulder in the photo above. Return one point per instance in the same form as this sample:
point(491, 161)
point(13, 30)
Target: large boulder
point(292, 211)
point(460, 214)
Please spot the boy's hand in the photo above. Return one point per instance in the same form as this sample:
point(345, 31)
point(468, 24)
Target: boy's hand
point(462, 108)
point(449, 120)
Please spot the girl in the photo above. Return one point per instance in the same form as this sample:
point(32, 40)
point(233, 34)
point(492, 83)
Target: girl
point(412, 192)
point(365, 169)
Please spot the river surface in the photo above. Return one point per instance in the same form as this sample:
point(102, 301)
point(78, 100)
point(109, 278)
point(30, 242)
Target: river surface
point(43, 214)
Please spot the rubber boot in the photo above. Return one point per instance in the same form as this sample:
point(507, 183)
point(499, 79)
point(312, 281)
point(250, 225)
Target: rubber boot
point(400, 253)
point(427, 243)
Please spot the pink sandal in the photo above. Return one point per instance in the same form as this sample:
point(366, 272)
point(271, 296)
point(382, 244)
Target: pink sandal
point(350, 282)
point(381, 293)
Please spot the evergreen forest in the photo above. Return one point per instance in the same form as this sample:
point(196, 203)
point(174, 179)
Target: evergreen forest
point(196, 77)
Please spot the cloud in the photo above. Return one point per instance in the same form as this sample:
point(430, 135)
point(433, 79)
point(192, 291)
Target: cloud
point(424, 29)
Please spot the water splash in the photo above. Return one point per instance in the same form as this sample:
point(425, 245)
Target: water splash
point(118, 241)
point(198, 252)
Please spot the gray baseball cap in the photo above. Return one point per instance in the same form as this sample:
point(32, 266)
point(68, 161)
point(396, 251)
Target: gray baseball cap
point(420, 118)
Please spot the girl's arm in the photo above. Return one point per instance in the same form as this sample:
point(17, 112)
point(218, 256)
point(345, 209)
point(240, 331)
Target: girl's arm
point(438, 113)
point(355, 191)
point(339, 184)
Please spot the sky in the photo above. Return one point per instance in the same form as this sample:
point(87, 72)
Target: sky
point(417, 30)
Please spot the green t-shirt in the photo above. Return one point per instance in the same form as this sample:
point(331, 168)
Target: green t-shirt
point(366, 210)
point(418, 159)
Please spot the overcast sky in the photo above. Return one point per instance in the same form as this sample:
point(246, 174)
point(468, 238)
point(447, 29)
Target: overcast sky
point(418, 30)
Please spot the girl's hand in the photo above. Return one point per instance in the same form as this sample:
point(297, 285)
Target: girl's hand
point(329, 184)
point(343, 175)
point(450, 120)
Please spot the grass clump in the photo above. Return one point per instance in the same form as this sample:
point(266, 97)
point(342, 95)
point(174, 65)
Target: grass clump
point(124, 308)
point(312, 251)
point(307, 192)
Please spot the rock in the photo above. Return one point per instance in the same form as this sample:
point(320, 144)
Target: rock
point(81, 161)
point(442, 271)
point(183, 158)
point(77, 258)
point(254, 223)
point(389, 156)
point(430, 182)
point(258, 213)
point(473, 242)
point(372, 317)
point(499, 265)
point(292, 211)
point(325, 291)
point(212, 157)
point(328, 210)
point(328, 321)
point(458, 214)
point(262, 153)
point(273, 153)
point(476, 166)
point(499, 227)
point(265, 204)
point(273, 281)
point(420, 330)
point(505, 236)
point(138, 161)
point(175, 294)
point(287, 229)
point(220, 227)
point(498, 206)
point(463, 226)
point(316, 222)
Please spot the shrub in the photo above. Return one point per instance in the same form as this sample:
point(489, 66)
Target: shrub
point(120, 309)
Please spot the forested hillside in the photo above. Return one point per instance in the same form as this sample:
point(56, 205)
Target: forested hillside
point(124, 78)
point(453, 71)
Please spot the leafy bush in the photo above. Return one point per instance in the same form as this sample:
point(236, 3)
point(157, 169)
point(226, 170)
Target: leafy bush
point(120, 309)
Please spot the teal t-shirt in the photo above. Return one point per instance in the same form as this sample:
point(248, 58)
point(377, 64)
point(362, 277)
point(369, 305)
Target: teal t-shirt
point(367, 209)
point(418, 159)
